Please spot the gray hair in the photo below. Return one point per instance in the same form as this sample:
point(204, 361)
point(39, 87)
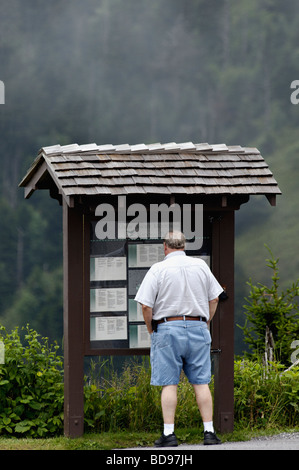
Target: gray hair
point(175, 240)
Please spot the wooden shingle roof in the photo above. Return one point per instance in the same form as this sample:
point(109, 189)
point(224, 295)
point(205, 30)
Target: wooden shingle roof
point(157, 168)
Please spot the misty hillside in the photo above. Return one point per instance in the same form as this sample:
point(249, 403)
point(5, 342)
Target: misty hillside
point(109, 71)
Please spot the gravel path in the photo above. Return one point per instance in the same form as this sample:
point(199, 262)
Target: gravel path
point(283, 441)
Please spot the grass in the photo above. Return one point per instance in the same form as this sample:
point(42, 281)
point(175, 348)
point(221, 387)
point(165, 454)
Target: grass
point(124, 439)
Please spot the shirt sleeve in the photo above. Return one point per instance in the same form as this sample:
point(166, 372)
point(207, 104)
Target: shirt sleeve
point(148, 290)
point(215, 288)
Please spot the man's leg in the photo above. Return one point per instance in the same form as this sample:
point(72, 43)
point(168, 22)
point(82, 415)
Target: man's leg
point(204, 401)
point(168, 403)
point(205, 405)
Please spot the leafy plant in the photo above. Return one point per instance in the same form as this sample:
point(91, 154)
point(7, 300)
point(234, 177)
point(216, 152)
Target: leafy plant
point(31, 385)
point(265, 400)
point(277, 310)
point(31, 394)
point(128, 402)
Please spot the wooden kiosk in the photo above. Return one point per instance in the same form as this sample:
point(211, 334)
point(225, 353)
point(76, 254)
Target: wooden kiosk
point(102, 274)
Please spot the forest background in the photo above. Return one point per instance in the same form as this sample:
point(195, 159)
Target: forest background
point(133, 71)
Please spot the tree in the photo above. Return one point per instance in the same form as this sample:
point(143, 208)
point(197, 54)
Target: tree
point(272, 313)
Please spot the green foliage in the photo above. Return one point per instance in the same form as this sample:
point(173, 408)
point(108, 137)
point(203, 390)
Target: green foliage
point(268, 306)
point(125, 401)
point(31, 386)
point(266, 400)
point(31, 394)
point(128, 402)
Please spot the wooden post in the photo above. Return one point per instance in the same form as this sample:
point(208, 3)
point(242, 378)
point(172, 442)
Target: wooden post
point(73, 260)
point(223, 323)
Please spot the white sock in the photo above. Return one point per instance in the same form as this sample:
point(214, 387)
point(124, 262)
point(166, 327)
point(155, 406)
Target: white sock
point(208, 426)
point(168, 429)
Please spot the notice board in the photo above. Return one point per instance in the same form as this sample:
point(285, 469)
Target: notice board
point(117, 268)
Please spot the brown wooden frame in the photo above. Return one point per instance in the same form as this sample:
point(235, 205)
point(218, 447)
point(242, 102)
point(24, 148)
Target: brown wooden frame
point(77, 317)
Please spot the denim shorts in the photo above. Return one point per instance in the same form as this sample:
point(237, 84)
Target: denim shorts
point(181, 345)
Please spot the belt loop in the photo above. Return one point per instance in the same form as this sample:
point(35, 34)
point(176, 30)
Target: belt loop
point(184, 317)
point(165, 320)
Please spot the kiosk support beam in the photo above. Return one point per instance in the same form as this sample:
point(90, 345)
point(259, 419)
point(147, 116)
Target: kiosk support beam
point(73, 260)
point(223, 323)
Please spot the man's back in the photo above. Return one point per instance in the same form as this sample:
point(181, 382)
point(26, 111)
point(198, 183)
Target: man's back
point(179, 285)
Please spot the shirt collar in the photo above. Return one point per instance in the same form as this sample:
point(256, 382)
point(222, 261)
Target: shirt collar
point(175, 253)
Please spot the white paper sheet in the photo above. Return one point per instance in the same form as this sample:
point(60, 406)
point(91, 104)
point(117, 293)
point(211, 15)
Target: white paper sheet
point(108, 300)
point(108, 268)
point(145, 255)
point(139, 336)
point(110, 328)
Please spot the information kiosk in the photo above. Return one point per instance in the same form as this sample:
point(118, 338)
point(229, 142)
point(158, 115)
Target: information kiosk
point(107, 249)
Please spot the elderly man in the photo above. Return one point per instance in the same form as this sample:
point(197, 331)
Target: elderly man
point(179, 297)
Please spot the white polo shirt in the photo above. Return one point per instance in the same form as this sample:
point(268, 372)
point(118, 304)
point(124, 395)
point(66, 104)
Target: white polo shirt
point(179, 285)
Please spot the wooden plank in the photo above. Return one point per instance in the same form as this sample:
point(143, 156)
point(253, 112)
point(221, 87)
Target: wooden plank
point(161, 180)
point(73, 322)
point(70, 148)
point(181, 180)
point(70, 165)
point(219, 148)
point(203, 147)
point(177, 189)
point(67, 182)
point(57, 159)
point(106, 148)
point(142, 180)
point(125, 157)
point(134, 189)
point(127, 172)
point(122, 180)
point(104, 157)
point(153, 189)
point(139, 148)
point(223, 322)
point(149, 172)
point(111, 165)
point(186, 172)
point(51, 149)
point(89, 147)
point(116, 190)
point(88, 181)
point(172, 171)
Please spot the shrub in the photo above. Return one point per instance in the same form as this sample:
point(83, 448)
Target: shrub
point(122, 401)
point(31, 393)
point(266, 398)
point(269, 307)
point(31, 385)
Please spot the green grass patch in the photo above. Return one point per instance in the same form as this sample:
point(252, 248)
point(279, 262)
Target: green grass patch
point(121, 440)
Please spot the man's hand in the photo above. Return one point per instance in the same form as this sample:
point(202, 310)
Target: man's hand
point(148, 316)
point(212, 308)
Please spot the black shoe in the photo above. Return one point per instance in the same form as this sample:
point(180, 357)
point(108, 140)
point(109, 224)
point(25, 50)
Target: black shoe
point(166, 441)
point(210, 439)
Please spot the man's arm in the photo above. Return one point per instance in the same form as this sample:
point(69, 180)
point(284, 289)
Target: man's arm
point(148, 316)
point(212, 308)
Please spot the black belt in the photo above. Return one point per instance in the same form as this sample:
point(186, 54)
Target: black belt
point(183, 317)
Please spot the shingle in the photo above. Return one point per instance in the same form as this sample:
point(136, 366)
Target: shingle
point(156, 168)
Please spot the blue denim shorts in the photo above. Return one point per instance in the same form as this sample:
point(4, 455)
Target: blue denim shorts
point(181, 345)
